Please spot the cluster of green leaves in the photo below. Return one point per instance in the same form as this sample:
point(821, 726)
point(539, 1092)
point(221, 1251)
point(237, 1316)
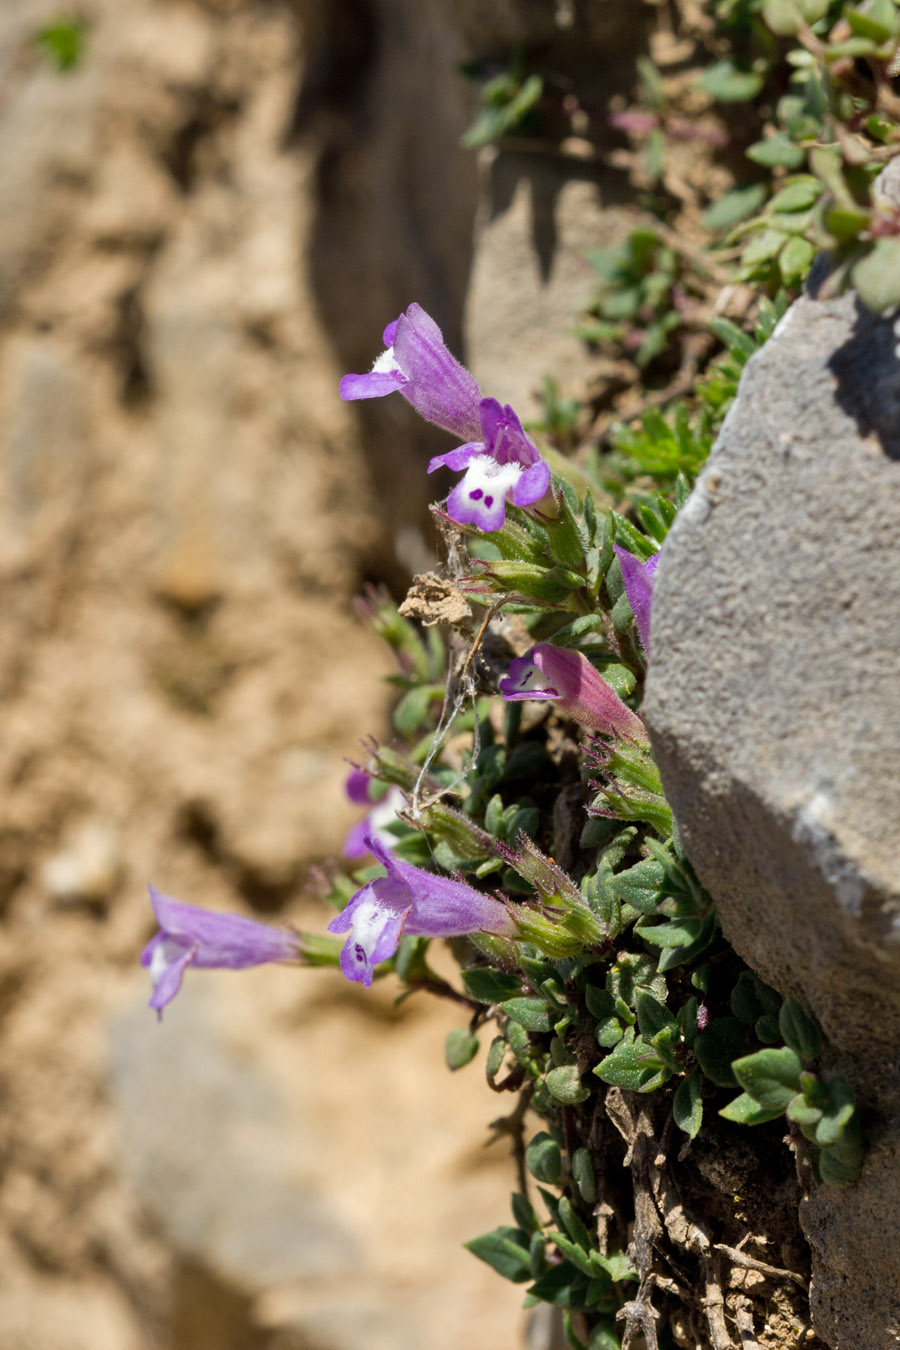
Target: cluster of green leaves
point(560, 1257)
point(783, 1080)
point(634, 302)
point(839, 118)
point(669, 449)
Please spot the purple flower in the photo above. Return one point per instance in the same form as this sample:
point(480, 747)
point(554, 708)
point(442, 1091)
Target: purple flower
point(637, 578)
point(413, 902)
point(503, 465)
point(567, 677)
point(381, 814)
point(418, 365)
point(190, 936)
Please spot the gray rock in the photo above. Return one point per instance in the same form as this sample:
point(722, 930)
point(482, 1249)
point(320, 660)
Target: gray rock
point(209, 1145)
point(773, 708)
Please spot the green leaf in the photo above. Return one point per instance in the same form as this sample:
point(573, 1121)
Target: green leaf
point(687, 1021)
point(733, 207)
point(770, 1077)
point(877, 20)
point(617, 1265)
point(460, 1048)
point(413, 707)
point(632, 1065)
point(681, 955)
point(530, 1013)
point(604, 1338)
point(639, 886)
point(784, 17)
point(745, 1002)
point(762, 247)
point(562, 1285)
point(675, 933)
point(727, 83)
point(877, 276)
point(797, 194)
point(565, 1085)
point(837, 1113)
point(495, 1056)
point(735, 339)
point(609, 1032)
point(519, 1043)
point(600, 1002)
point(803, 1113)
point(687, 1105)
point(523, 1212)
point(746, 1110)
point(795, 260)
point(652, 1015)
point(504, 1250)
point(777, 151)
point(845, 222)
point(767, 1029)
point(505, 107)
point(573, 1224)
point(579, 1258)
point(720, 1042)
point(583, 1173)
point(490, 986)
point(537, 1255)
point(840, 1168)
point(544, 1159)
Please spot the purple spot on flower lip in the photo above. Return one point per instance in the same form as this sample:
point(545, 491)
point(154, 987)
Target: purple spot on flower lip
point(488, 501)
point(476, 494)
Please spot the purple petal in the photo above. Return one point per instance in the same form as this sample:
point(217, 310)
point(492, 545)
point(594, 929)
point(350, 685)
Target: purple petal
point(581, 692)
point(374, 918)
point(375, 825)
point(167, 960)
point(441, 389)
point(375, 384)
point(504, 435)
point(637, 578)
point(357, 787)
point(532, 486)
point(524, 680)
point(377, 941)
point(355, 843)
point(221, 940)
point(470, 503)
point(409, 900)
point(441, 907)
point(458, 458)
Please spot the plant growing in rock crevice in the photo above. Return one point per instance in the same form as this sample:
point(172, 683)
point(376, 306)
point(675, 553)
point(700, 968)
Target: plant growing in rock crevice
point(590, 956)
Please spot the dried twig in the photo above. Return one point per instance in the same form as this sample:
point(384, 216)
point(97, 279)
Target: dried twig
point(714, 1304)
point(751, 1263)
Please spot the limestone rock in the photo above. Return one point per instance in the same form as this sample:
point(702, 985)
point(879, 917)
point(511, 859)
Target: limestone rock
point(773, 707)
point(213, 1154)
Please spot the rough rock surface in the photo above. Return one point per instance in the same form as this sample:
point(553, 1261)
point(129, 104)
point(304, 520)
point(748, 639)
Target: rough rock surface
point(773, 707)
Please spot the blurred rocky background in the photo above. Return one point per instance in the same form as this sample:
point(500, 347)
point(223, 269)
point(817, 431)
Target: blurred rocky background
point(205, 217)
